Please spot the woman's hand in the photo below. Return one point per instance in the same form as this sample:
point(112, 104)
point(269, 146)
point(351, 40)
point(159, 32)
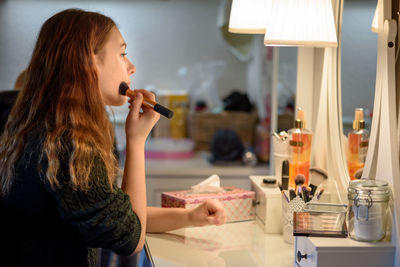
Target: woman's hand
point(139, 124)
point(210, 212)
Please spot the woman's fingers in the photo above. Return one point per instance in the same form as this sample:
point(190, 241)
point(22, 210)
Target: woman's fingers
point(146, 94)
point(215, 212)
point(136, 103)
point(139, 124)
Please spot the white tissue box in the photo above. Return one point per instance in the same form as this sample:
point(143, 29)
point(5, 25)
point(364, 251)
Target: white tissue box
point(268, 205)
point(238, 203)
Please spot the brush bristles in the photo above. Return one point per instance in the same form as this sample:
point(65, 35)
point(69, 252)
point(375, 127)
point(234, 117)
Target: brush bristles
point(123, 87)
point(299, 179)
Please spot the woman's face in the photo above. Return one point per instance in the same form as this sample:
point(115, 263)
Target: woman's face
point(113, 67)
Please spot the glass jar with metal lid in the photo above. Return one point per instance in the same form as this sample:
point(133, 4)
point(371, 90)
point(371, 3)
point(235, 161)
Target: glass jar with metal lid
point(367, 209)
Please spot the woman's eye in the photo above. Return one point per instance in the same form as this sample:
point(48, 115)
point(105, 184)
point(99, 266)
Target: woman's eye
point(124, 54)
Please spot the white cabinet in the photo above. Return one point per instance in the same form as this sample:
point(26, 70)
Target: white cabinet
point(172, 175)
point(343, 252)
point(268, 205)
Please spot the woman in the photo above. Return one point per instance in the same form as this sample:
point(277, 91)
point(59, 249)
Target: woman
point(58, 196)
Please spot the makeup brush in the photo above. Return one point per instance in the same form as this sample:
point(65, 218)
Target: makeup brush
point(299, 179)
point(313, 189)
point(306, 194)
point(283, 193)
point(124, 90)
point(292, 194)
point(300, 192)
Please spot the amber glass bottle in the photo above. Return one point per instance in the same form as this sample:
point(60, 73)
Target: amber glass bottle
point(357, 147)
point(300, 140)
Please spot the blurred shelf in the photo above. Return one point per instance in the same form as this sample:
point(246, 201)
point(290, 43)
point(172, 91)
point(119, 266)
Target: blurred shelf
point(200, 166)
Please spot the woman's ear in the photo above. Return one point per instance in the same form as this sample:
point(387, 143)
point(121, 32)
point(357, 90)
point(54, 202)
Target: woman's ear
point(97, 61)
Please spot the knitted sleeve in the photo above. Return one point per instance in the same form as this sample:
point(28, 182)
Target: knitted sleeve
point(102, 216)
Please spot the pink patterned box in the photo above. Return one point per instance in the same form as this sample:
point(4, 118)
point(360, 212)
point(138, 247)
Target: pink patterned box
point(238, 203)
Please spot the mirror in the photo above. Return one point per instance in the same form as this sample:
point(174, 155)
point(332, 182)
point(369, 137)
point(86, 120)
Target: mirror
point(359, 61)
point(286, 87)
point(359, 52)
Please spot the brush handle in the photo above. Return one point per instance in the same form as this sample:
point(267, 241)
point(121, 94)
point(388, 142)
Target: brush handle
point(285, 196)
point(153, 105)
point(292, 194)
point(163, 111)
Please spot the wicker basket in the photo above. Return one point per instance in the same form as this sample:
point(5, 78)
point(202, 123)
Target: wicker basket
point(204, 126)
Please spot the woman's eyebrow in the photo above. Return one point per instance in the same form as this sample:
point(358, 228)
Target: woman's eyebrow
point(124, 44)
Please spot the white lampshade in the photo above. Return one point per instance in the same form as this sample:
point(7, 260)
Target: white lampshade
point(249, 16)
point(306, 23)
point(374, 26)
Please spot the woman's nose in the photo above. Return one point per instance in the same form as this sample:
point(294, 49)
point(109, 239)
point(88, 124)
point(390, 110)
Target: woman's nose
point(131, 68)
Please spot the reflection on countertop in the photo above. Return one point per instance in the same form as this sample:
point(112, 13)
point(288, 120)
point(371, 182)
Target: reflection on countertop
point(233, 244)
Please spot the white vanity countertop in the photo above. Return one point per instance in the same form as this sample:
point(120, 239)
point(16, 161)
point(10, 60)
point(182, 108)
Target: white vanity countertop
point(234, 244)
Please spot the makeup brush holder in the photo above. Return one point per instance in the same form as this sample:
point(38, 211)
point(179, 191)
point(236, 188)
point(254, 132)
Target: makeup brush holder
point(296, 204)
point(367, 214)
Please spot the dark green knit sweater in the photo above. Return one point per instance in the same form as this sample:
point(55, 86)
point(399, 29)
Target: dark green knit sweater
point(45, 226)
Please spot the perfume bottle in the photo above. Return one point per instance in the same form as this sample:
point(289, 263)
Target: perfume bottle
point(300, 140)
point(357, 145)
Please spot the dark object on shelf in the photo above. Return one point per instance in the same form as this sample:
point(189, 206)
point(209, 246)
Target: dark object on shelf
point(237, 101)
point(270, 181)
point(226, 145)
point(201, 105)
point(285, 174)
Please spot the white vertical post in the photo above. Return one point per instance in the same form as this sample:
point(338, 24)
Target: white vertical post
point(274, 106)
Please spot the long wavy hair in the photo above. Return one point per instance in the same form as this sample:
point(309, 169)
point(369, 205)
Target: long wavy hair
point(62, 95)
